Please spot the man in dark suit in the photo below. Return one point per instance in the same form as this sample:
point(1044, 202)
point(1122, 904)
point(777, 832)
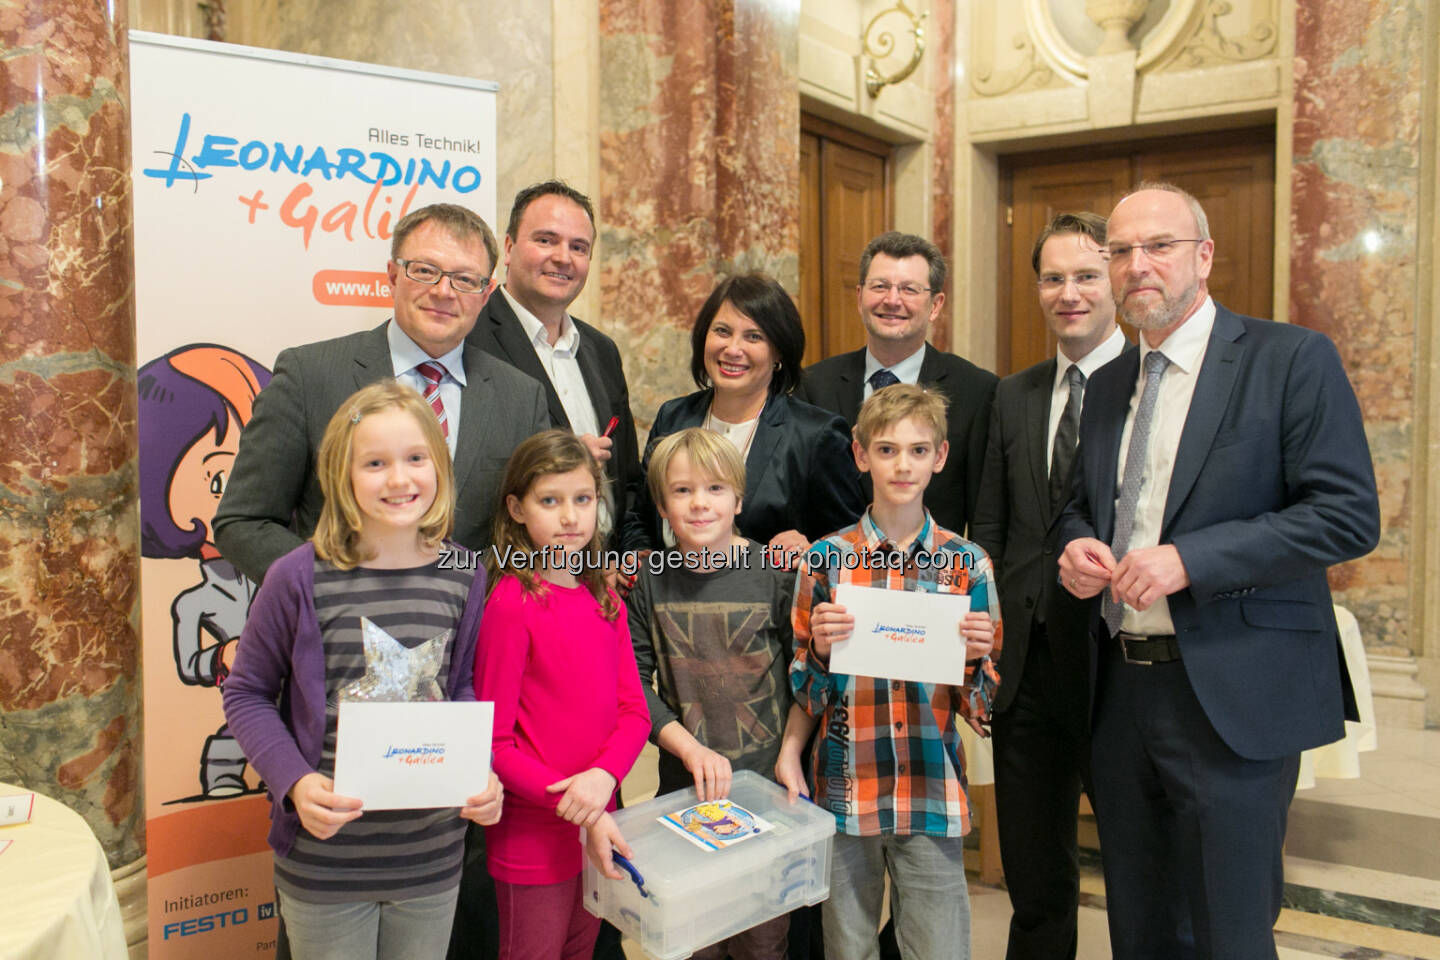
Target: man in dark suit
point(442, 258)
point(548, 245)
point(1039, 719)
point(899, 296)
point(1222, 469)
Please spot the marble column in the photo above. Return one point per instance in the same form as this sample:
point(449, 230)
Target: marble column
point(69, 540)
point(699, 169)
point(940, 53)
point(1355, 276)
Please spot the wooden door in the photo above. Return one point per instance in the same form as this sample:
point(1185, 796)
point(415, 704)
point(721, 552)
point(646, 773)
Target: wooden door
point(844, 203)
point(1232, 173)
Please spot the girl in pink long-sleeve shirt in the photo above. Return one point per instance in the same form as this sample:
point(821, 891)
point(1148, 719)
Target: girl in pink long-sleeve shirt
point(570, 718)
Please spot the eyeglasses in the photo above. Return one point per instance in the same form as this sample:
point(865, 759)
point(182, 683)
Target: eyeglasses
point(1154, 249)
point(882, 288)
point(461, 281)
point(1055, 282)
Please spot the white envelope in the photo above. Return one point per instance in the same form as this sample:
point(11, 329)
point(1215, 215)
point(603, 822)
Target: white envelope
point(413, 755)
point(902, 635)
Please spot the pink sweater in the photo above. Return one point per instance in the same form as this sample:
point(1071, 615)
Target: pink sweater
point(567, 698)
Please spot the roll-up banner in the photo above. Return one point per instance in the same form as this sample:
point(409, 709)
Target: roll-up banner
point(266, 188)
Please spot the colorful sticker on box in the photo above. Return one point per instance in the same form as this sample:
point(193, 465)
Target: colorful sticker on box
point(716, 824)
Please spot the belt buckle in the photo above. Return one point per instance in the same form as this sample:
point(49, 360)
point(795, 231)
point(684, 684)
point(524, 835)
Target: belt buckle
point(1125, 649)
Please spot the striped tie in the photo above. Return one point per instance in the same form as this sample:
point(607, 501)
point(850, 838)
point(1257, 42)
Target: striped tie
point(432, 374)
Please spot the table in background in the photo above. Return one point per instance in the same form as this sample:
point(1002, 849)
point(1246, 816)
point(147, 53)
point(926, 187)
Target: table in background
point(59, 901)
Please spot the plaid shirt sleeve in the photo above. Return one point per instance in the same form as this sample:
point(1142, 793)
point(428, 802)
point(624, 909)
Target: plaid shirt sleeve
point(814, 686)
point(981, 679)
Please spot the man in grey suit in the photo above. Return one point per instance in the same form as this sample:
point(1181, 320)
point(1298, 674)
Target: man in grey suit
point(1040, 721)
point(442, 257)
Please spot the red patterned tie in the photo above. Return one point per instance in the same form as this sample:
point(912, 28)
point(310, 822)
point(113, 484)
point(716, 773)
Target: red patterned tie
point(432, 374)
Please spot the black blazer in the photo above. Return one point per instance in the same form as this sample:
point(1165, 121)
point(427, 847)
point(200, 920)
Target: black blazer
point(1272, 484)
point(1015, 524)
point(838, 385)
point(273, 498)
point(498, 332)
point(799, 474)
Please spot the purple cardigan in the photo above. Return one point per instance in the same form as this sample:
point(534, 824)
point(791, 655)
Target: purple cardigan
point(275, 697)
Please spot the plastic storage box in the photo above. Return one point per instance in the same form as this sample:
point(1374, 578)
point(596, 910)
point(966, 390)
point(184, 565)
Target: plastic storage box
point(712, 872)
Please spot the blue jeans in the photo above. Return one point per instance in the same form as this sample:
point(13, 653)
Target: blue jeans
point(417, 929)
point(928, 897)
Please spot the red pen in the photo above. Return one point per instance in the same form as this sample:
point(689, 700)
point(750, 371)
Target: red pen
point(610, 427)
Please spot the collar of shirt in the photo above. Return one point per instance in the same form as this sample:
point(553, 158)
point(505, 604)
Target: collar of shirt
point(568, 343)
point(908, 370)
point(1186, 346)
point(875, 538)
point(1112, 347)
point(406, 354)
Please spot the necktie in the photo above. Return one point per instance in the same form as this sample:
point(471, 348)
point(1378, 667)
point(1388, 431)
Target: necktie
point(882, 378)
point(1155, 364)
point(1062, 451)
point(432, 374)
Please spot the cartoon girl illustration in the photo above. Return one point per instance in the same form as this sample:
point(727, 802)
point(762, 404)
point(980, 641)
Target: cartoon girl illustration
point(193, 403)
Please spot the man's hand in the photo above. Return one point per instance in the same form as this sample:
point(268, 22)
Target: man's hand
point(322, 811)
point(485, 808)
point(787, 546)
point(979, 632)
point(829, 623)
point(710, 770)
point(1086, 566)
point(600, 841)
point(1147, 574)
point(587, 794)
point(599, 447)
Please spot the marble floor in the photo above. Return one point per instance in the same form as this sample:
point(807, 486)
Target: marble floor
point(1362, 864)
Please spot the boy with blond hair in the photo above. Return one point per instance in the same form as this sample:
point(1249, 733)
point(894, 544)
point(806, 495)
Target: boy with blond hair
point(888, 762)
point(710, 620)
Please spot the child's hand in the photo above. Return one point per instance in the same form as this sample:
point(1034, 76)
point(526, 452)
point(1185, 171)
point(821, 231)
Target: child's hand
point(710, 770)
point(485, 808)
point(979, 634)
point(322, 811)
point(600, 840)
point(790, 775)
point(586, 796)
point(829, 623)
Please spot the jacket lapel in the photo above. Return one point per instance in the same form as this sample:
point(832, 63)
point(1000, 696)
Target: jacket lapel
point(520, 352)
point(852, 386)
point(1213, 386)
point(1110, 408)
point(372, 360)
point(589, 360)
point(767, 436)
point(1037, 423)
point(476, 401)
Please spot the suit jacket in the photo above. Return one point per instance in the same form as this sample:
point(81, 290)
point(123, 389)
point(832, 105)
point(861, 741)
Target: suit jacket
point(1272, 484)
point(799, 473)
point(838, 385)
point(272, 501)
point(499, 333)
point(1015, 524)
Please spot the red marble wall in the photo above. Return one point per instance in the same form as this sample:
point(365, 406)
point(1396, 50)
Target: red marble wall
point(700, 169)
point(940, 55)
point(69, 551)
point(1354, 274)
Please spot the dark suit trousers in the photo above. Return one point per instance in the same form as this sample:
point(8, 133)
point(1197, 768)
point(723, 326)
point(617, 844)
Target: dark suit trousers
point(1190, 832)
point(1042, 759)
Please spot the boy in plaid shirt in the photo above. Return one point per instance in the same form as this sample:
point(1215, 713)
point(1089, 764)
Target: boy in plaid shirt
point(888, 762)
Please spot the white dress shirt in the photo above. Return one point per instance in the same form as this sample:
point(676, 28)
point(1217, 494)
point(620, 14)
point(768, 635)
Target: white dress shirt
point(561, 365)
point(908, 370)
point(1186, 349)
point(406, 355)
point(1112, 347)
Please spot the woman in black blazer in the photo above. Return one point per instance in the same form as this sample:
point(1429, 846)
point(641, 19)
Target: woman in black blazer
point(801, 482)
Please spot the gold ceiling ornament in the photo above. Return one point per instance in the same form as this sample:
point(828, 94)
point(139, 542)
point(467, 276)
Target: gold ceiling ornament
point(884, 45)
point(1116, 18)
